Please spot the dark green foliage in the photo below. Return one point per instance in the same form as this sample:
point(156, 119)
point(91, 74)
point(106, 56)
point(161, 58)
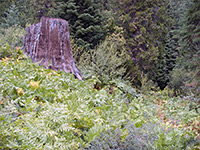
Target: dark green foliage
point(5, 4)
point(167, 61)
point(161, 77)
point(24, 12)
point(189, 51)
point(85, 20)
point(108, 61)
point(171, 52)
point(191, 30)
point(146, 24)
point(38, 9)
point(18, 13)
point(13, 17)
point(5, 51)
point(14, 36)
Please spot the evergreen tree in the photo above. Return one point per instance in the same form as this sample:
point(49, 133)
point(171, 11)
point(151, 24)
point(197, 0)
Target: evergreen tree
point(24, 12)
point(12, 17)
point(190, 33)
point(85, 20)
point(5, 4)
point(39, 8)
point(146, 24)
point(189, 60)
point(167, 61)
point(18, 14)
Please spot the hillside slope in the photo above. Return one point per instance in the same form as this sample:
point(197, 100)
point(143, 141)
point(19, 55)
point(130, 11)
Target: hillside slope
point(44, 109)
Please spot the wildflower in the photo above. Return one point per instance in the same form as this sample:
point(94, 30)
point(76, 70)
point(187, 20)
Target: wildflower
point(20, 91)
point(5, 59)
point(34, 84)
point(98, 111)
point(17, 48)
point(56, 74)
point(49, 74)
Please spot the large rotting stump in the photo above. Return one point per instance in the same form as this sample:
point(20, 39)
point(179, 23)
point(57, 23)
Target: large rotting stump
point(48, 42)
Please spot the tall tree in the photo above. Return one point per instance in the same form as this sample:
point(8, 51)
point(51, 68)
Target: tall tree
point(85, 20)
point(146, 24)
point(167, 60)
point(5, 4)
point(189, 48)
point(23, 12)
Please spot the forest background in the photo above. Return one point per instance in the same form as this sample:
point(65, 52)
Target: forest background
point(152, 44)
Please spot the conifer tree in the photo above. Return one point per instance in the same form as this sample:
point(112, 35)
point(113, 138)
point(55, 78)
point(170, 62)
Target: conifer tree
point(189, 50)
point(85, 20)
point(4, 7)
point(12, 17)
point(146, 24)
point(191, 31)
point(23, 12)
point(19, 13)
point(167, 61)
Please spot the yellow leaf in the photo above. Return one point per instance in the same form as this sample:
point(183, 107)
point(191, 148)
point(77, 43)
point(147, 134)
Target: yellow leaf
point(124, 134)
point(20, 91)
point(5, 59)
point(34, 84)
point(1, 102)
point(56, 74)
point(98, 111)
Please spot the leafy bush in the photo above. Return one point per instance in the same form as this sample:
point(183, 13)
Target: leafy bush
point(178, 80)
point(185, 82)
point(5, 51)
point(108, 61)
point(11, 39)
point(14, 36)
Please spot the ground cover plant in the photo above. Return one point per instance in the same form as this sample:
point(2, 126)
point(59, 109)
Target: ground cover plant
point(45, 109)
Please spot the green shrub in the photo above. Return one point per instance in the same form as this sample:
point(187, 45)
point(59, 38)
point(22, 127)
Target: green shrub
point(77, 51)
point(14, 36)
point(185, 82)
point(108, 61)
point(178, 80)
point(5, 51)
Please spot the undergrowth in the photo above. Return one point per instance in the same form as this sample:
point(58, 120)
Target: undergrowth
point(45, 109)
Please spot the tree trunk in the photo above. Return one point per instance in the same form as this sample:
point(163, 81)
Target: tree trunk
point(48, 42)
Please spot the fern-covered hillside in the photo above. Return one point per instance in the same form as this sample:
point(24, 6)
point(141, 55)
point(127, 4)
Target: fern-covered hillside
point(45, 109)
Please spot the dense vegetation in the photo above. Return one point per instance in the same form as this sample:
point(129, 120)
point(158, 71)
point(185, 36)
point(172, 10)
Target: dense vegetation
point(140, 63)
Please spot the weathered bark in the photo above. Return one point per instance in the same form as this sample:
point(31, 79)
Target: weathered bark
point(48, 42)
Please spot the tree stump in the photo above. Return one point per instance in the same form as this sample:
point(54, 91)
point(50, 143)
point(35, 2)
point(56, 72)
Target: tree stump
point(48, 42)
